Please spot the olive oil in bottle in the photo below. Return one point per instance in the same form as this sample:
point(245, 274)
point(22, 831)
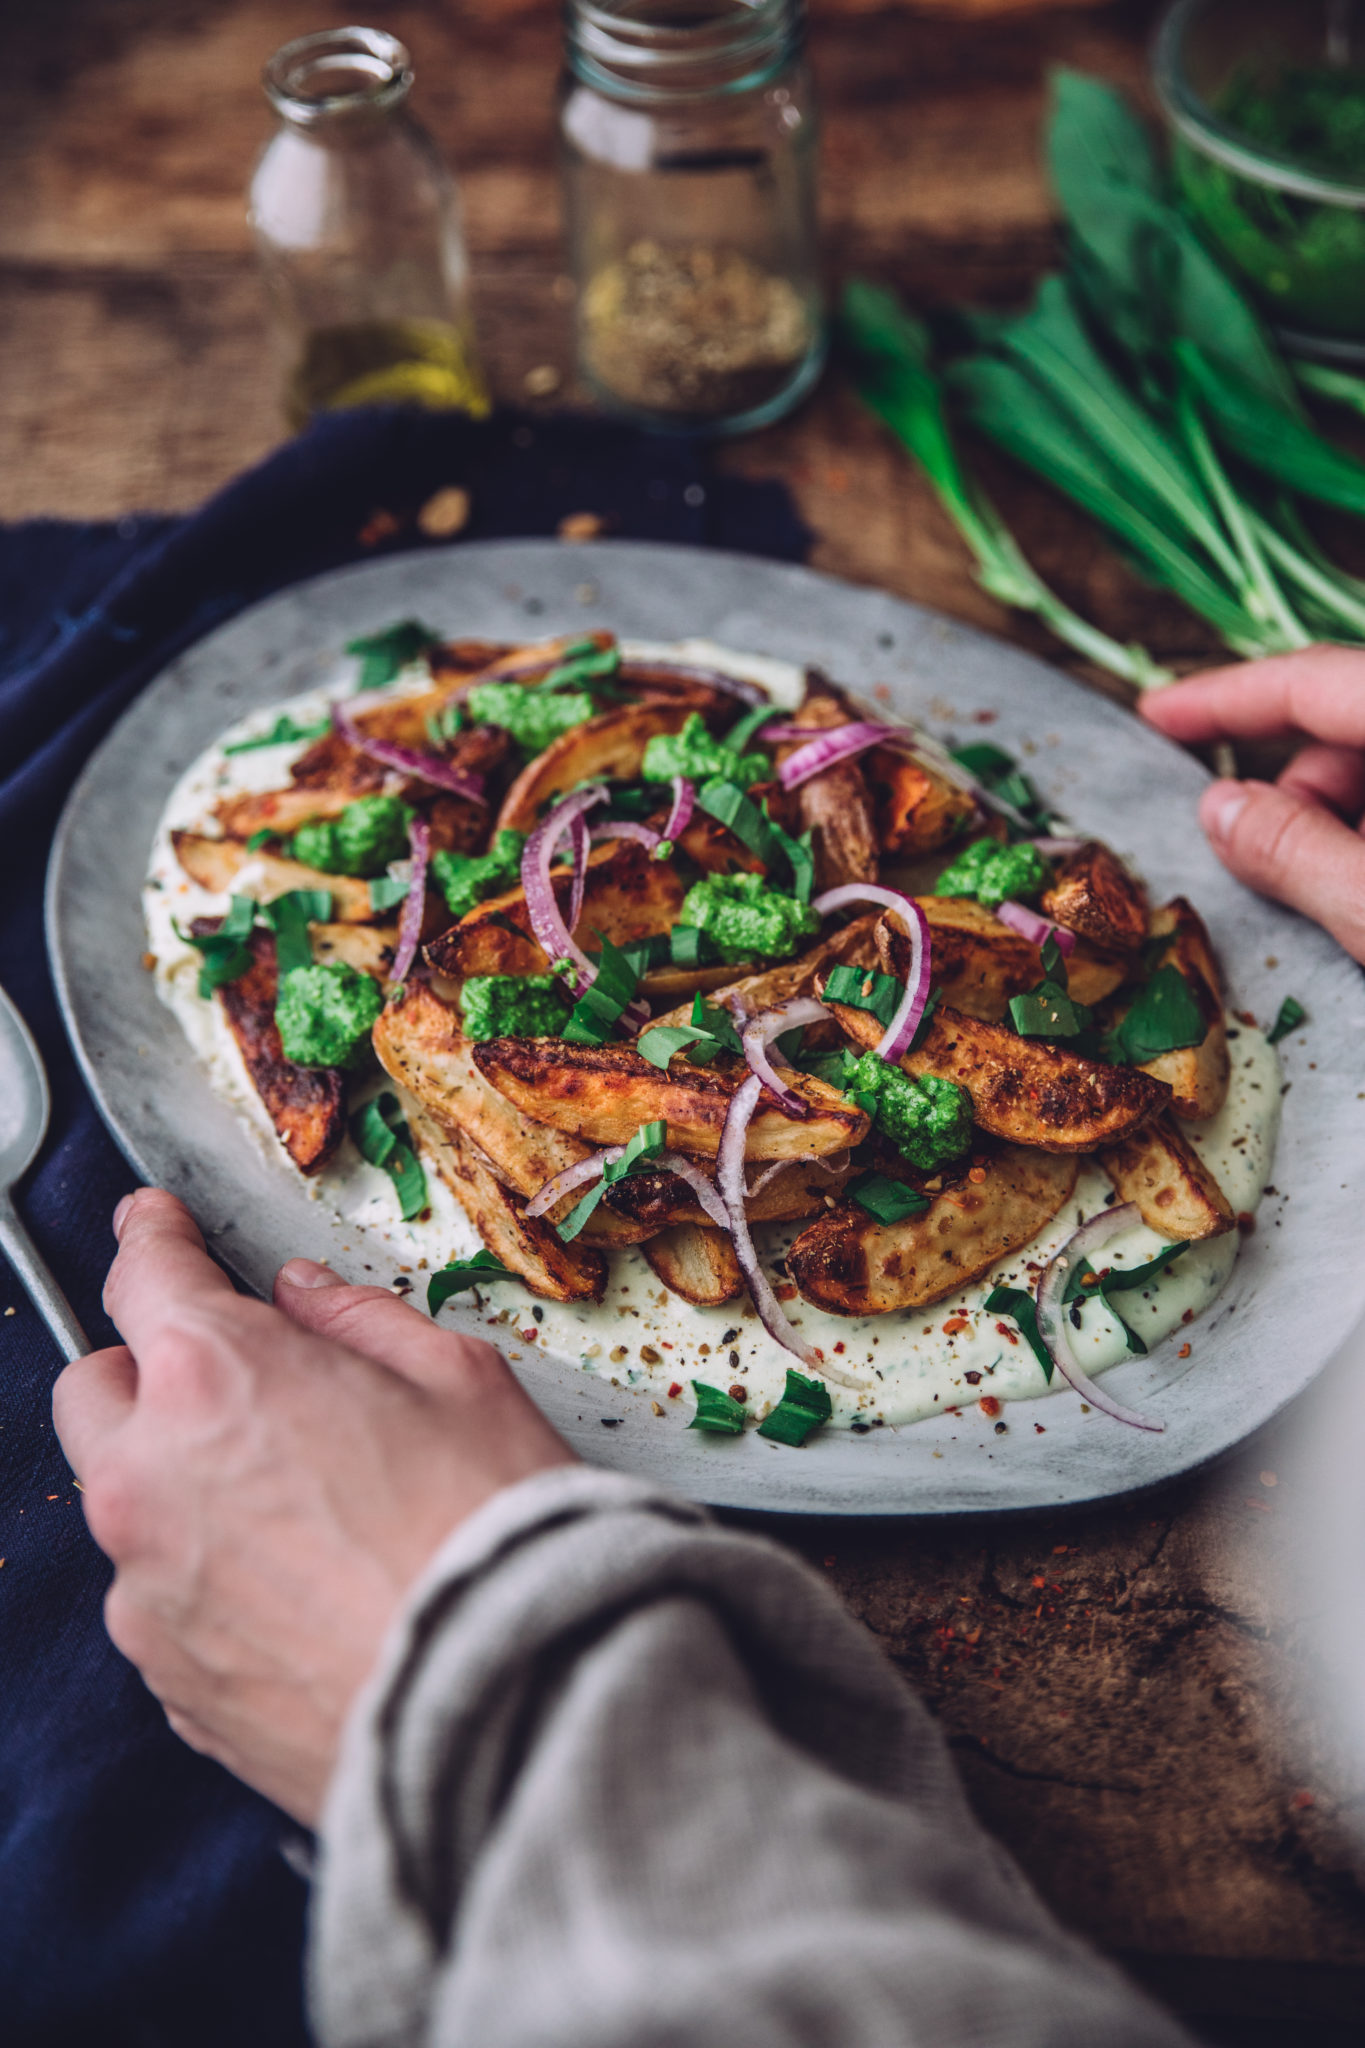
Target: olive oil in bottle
point(385, 362)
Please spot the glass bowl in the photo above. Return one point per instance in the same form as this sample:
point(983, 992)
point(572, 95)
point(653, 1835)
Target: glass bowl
point(1266, 103)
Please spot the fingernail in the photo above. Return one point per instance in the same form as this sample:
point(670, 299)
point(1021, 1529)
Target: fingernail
point(1222, 806)
point(308, 1273)
point(120, 1213)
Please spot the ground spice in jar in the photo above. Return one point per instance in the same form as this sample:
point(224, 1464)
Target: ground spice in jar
point(695, 331)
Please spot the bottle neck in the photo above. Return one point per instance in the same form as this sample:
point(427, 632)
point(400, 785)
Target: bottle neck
point(342, 81)
point(653, 51)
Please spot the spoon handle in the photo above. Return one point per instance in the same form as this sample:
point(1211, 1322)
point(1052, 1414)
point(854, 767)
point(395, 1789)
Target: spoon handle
point(43, 1291)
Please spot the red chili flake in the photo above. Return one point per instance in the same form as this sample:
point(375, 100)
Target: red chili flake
point(1039, 1584)
point(675, 1390)
point(973, 1379)
point(1301, 1801)
point(786, 1293)
point(984, 717)
point(1010, 1335)
point(529, 1336)
point(1188, 1316)
point(1038, 1429)
point(989, 1405)
point(1184, 1351)
point(955, 1325)
point(839, 1346)
point(976, 1174)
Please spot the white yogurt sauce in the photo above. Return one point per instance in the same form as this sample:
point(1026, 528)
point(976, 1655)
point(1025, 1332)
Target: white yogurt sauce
point(643, 1337)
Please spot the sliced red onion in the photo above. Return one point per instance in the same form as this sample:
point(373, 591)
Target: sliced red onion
point(684, 803)
point(730, 1181)
point(849, 893)
point(1032, 927)
point(1052, 1313)
point(570, 1177)
point(756, 1187)
point(1058, 849)
point(410, 760)
point(759, 1034)
point(896, 1040)
point(414, 903)
point(628, 828)
point(714, 679)
point(701, 1184)
point(547, 923)
point(636, 1015)
point(839, 743)
point(578, 853)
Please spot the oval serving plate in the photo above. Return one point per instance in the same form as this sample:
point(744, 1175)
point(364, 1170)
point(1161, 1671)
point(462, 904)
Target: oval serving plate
point(1299, 1284)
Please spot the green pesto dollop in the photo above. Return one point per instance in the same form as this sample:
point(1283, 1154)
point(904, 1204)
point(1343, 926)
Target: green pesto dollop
point(325, 1014)
point(693, 753)
point(362, 841)
point(991, 872)
point(927, 1119)
point(468, 879)
point(514, 1006)
point(746, 919)
point(533, 717)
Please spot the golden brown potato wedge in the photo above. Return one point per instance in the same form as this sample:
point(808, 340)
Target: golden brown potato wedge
point(527, 1245)
point(307, 1105)
point(851, 1265)
point(419, 1043)
point(627, 896)
point(667, 984)
point(1160, 1170)
point(854, 946)
point(604, 1093)
point(836, 805)
point(1023, 1089)
point(657, 1201)
point(215, 864)
point(698, 1262)
point(980, 963)
point(917, 811)
point(370, 947)
point(1197, 1075)
point(1095, 896)
point(609, 747)
point(333, 764)
point(713, 848)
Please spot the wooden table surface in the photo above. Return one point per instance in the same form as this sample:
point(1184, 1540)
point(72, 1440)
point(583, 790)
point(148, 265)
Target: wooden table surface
point(1118, 1685)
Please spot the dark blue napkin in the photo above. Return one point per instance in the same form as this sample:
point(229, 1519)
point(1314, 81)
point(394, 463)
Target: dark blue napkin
point(144, 1902)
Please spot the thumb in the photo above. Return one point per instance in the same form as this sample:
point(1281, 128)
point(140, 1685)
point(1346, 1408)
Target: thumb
point(1283, 844)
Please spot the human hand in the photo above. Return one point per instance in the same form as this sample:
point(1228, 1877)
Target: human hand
point(1299, 839)
point(270, 1481)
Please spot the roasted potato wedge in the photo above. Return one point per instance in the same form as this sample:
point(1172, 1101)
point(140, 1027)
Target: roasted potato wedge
point(663, 984)
point(1023, 1089)
point(1095, 896)
point(834, 806)
point(604, 1093)
point(917, 812)
point(608, 747)
point(419, 1043)
point(698, 1262)
point(528, 1246)
point(714, 848)
point(1197, 1075)
point(215, 864)
point(980, 963)
point(657, 1201)
point(1160, 1170)
point(370, 947)
point(854, 946)
point(851, 1265)
point(627, 896)
point(307, 1105)
point(455, 824)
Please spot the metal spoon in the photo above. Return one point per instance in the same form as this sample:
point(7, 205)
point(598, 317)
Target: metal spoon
point(24, 1107)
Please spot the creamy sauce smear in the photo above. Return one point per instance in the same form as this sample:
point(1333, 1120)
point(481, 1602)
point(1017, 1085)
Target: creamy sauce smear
point(643, 1337)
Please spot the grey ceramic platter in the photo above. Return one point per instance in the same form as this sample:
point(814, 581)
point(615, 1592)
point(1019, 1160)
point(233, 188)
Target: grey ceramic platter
point(1299, 1284)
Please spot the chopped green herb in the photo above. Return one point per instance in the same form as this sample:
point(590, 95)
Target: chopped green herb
point(990, 872)
point(690, 946)
point(533, 716)
point(369, 834)
point(727, 803)
point(513, 1006)
point(695, 754)
point(468, 879)
point(597, 1012)
point(1087, 1285)
point(289, 917)
point(710, 1033)
point(260, 839)
point(1000, 773)
point(928, 1119)
point(1023, 1309)
point(744, 729)
point(387, 892)
point(285, 732)
point(804, 1406)
point(443, 725)
point(1291, 1015)
point(1163, 1017)
point(646, 1145)
point(799, 856)
point(866, 988)
point(385, 655)
point(745, 916)
point(887, 1201)
point(659, 1045)
point(462, 1273)
point(226, 955)
point(584, 662)
point(382, 1137)
point(717, 1411)
point(1048, 1012)
point(325, 1014)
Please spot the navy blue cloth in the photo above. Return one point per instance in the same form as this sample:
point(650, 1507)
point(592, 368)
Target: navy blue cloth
point(144, 1902)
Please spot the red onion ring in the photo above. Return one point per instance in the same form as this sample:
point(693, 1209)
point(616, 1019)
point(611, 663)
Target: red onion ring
point(684, 803)
point(714, 679)
point(756, 1187)
point(903, 1026)
point(1058, 849)
point(570, 1177)
point(551, 932)
point(411, 760)
point(849, 893)
point(1032, 927)
point(628, 828)
point(759, 1034)
point(827, 749)
point(578, 854)
point(1052, 1313)
point(730, 1181)
point(414, 903)
point(702, 1186)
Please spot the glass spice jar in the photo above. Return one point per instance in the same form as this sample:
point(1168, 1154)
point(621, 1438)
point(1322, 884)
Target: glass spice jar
point(689, 143)
point(357, 226)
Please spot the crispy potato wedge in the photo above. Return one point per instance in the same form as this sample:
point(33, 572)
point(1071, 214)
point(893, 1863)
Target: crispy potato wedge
point(307, 1105)
point(850, 1265)
point(527, 1245)
point(834, 806)
point(664, 984)
point(917, 811)
point(626, 896)
point(419, 1044)
point(608, 747)
point(333, 764)
point(215, 864)
point(455, 824)
point(657, 1201)
point(603, 1093)
point(1095, 896)
point(370, 947)
point(698, 1262)
point(1023, 1089)
point(714, 848)
point(854, 946)
point(1176, 1194)
point(980, 963)
point(1197, 1075)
